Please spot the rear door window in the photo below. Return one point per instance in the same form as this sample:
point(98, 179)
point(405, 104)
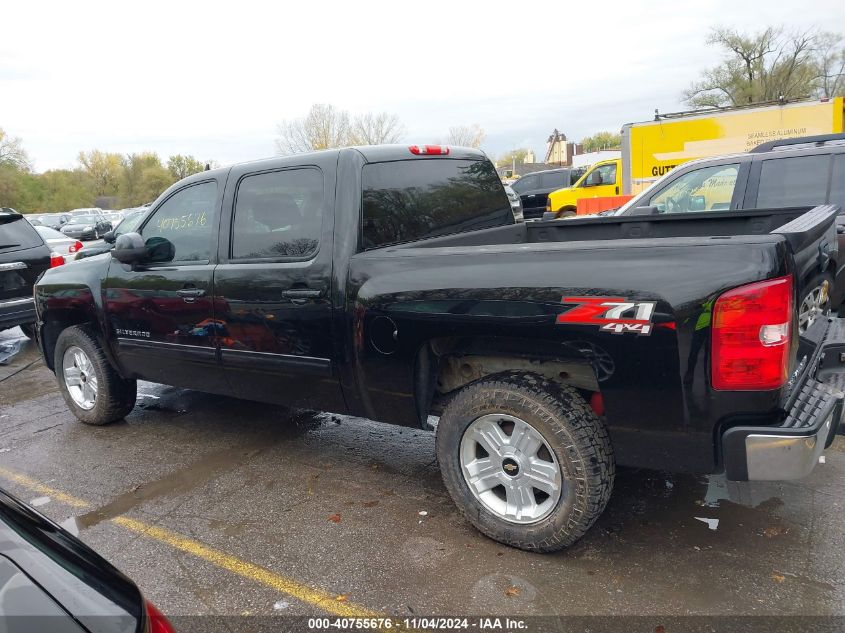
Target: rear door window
point(555, 180)
point(410, 200)
point(705, 189)
point(278, 215)
point(793, 182)
point(16, 233)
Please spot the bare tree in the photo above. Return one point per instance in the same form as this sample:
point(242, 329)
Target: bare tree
point(324, 127)
point(12, 152)
point(466, 135)
point(374, 129)
point(760, 67)
point(831, 65)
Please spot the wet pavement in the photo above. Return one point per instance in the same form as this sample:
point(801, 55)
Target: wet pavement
point(357, 510)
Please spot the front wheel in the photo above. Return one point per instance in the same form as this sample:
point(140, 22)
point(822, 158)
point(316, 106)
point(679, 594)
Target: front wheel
point(566, 212)
point(816, 301)
point(28, 330)
point(92, 389)
point(525, 460)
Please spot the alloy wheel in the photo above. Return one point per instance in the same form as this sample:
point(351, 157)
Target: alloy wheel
point(80, 377)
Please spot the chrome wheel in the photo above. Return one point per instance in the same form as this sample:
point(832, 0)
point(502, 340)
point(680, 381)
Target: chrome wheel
point(80, 378)
point(813, 306)
point(510, 468)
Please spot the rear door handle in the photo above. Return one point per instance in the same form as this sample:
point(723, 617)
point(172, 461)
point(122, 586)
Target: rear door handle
point(300, 295)
point(190, 294)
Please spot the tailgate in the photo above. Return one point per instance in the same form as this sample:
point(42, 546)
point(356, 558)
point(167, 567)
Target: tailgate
point(812, 242)
point(20, 270)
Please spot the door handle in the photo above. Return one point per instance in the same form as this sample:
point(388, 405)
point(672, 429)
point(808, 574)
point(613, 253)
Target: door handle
point(300, 295)
point(190, 294)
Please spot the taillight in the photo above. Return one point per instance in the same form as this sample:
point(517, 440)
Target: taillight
point(751, 332)
point(156, 622)
point(431, 150)
point(56, 260)
point(75, 247)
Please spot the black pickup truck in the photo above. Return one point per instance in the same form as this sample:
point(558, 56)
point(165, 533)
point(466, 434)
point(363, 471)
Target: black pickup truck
point(391, 282)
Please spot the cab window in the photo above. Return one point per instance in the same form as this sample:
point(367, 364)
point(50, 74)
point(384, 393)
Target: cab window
point(603, 175)
point(525, 183)
point(556, 180)
point(187, 219)
point(705, 189)
point(793, 182)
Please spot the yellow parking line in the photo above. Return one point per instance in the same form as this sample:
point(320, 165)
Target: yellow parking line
point(316, 597)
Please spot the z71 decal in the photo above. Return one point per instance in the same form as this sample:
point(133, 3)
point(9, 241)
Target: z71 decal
point(611, 314)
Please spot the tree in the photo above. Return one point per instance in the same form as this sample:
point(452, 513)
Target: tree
point(507, 159)
point(183, 166)
point(104, 169)
point(466, 135)
point(323, 128)
point(600, 141)
point(831, 65)
point(12, 152)
point(767, 66)
point(144, 177)
point(374, 129)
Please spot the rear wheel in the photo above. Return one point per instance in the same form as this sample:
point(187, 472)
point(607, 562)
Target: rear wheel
point(526, 460)
point(816, 302)
point(28, 329)
point(92, 389)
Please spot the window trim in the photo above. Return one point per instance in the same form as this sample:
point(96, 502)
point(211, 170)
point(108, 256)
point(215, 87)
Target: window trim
point(231, 259)
point(212, 246)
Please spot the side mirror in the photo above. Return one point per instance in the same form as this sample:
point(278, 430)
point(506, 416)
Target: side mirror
point(109, 237)
point(129, 248)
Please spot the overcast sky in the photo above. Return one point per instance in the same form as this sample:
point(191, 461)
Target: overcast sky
point(213, 79)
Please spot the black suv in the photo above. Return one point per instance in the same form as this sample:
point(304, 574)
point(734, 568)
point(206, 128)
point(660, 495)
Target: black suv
point(23, 257)
point(797, 172)
point(534, 188)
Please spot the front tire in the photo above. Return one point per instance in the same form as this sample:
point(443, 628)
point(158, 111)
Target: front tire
point(526, 460)
point(566, 212)
point(92, 389)
point(816, 302)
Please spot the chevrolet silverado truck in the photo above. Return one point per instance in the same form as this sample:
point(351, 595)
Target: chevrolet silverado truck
point(391, 282)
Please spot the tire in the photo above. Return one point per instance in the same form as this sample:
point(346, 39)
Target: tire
point(576, 442)
point(114, 396)
point(809, 307)
point(28, 330)
point(568, 212)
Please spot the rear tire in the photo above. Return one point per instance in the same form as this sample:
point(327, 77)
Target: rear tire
point(28, 330)
point(575, 452)
point(92, 389)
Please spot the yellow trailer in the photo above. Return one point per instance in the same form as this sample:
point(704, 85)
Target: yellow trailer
point(652, 148)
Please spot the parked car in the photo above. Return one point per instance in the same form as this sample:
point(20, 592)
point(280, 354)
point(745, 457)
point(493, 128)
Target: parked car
point(534, 189)
point(129, 223)
point(54, 221)
point(60, 243)
point(23, 257)
point(86, 227)
point(87, 211)
point(797, 172)
point(393, 283)
point(52, 581)
point(516, 203)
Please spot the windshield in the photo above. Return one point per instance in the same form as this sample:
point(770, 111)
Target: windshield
point(130, 223)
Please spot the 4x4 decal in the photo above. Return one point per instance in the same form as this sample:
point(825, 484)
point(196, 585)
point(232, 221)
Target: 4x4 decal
point(611, 314)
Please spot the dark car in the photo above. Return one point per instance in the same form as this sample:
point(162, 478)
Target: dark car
point(52, 581)
point(796, 172)
point(534, 189)
point(393, 283)
point(129, 223)
point(87, 227)
point(23, 257)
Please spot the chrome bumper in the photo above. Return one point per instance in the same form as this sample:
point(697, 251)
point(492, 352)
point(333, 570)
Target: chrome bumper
point(792, 449)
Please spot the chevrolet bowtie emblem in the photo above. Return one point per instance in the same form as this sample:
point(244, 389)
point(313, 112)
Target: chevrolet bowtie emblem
point(509, 467)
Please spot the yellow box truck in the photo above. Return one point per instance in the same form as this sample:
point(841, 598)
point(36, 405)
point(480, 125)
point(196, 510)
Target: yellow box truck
point(652, 148)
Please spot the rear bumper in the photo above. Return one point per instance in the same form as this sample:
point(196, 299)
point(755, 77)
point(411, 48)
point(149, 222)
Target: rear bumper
point(17, 312)
point(792, 449)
